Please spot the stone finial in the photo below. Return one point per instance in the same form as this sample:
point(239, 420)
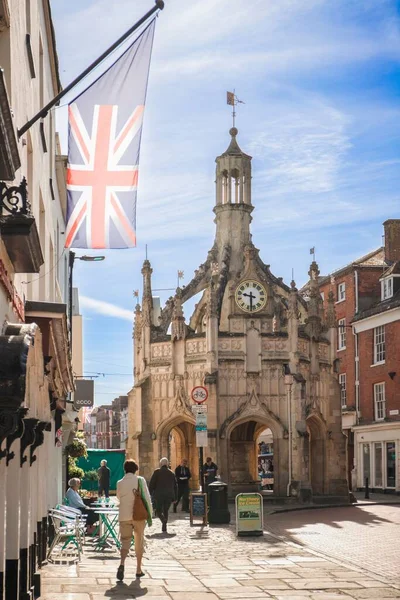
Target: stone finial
point(331, 313)
point(178, 325)
point(314, 305)
point(212, 300)
point(293, 309)
point(147, 272)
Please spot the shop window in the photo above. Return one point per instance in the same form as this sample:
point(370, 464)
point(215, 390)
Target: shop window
point(378, 464)
point(390, 464)
point(366, 463)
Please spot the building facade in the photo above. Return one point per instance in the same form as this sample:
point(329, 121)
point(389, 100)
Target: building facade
point(35, 369)
point(367, 294)
point(118, 405)
point(265, 356)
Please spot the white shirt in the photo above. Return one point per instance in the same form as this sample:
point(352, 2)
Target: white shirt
point(125, 495)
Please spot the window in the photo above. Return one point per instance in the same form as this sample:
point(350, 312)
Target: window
point(391, 464)
point(342, 384)
point(387, 288)
point(341, 292)
point(378, 464)
point(379, 401)
point(341, 334)
point(379, 344)
point(366, 463)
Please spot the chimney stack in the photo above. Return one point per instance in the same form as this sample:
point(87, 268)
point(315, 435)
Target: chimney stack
point(392, 240)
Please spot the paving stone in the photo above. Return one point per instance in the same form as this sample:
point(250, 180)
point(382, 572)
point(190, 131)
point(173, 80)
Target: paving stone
point(218, 566)
point(374, 593)
point(193, 596)
point(323, 584)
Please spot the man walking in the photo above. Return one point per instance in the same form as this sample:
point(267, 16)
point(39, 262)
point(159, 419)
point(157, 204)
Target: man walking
point(103, 473)
point(183, 474)
point(164, 490)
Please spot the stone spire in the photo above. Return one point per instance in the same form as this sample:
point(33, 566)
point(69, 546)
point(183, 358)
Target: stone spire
point(233, 206)
point(147, 293)
point(178, 326)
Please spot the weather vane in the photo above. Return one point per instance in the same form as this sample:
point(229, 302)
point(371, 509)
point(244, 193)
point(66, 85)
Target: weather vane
point(233, 101)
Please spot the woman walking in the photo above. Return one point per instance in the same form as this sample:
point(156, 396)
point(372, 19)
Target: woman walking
point(129, 488)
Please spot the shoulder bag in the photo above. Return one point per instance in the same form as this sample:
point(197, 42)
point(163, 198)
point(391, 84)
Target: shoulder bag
point(139, 512)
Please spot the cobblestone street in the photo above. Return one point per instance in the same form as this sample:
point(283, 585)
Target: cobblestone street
point(212, 564)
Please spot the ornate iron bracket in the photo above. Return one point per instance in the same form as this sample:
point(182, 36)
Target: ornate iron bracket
point(17, 433)
point(8, 424)
point(39, 439)
point(28, 437)
point(14, 199)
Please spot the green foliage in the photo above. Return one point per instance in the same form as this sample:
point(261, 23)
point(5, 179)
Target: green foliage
point(76, 449)
point(74, 471)
point(91, 475)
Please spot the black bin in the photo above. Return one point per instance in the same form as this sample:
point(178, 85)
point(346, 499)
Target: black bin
point(218, 503)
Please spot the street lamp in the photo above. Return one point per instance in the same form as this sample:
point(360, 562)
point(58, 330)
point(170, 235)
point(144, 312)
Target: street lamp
point(72, 259)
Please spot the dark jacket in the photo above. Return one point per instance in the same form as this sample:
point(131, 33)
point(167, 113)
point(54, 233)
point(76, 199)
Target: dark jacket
point(104, 476)
point(182, 475)
point(163, 484)
point(210, 472)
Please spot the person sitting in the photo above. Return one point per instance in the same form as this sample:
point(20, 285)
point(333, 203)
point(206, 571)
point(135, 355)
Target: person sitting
point(75, 501)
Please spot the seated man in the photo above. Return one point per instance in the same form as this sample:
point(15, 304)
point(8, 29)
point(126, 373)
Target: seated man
point(75, 501)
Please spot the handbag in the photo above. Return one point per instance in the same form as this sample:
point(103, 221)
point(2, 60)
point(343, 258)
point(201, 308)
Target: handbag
point(139, 512)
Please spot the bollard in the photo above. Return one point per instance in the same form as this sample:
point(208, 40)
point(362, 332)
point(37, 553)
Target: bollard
point(366, 489)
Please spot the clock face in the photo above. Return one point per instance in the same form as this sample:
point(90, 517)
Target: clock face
point(251, 296)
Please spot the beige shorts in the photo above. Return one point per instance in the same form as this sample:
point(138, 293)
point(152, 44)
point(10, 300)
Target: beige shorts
point(126, 529)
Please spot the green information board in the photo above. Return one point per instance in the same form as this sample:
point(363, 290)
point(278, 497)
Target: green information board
point(249, 514)
point(115, 462)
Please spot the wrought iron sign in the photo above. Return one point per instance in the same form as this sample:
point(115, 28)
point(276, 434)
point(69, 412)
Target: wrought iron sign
point(14, 199)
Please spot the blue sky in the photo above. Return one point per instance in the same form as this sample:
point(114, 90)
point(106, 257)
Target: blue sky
point(321, 85)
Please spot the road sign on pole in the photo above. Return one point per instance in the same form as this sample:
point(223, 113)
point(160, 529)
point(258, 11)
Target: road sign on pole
point(199, 394)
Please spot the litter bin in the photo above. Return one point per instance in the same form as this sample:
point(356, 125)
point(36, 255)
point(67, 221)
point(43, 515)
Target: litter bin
point(218, 503)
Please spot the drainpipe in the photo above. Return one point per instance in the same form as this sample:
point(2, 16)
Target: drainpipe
point(289, 383)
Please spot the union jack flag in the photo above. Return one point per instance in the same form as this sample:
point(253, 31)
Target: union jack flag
point(105, 126)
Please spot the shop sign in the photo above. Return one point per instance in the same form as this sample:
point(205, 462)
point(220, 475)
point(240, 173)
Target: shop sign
point(249, 514)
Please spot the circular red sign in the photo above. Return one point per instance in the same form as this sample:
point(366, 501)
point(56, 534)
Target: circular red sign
point(199, 394)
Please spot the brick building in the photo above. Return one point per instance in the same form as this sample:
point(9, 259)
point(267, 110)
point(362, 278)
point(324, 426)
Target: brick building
point(118, 405)
point(367, 294)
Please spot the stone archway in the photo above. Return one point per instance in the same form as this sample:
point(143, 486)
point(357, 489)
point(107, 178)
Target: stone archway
point(239, 452)
point(177, 440)
point(317, 454)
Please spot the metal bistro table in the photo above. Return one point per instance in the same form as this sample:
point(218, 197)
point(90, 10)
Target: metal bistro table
point(108, 517)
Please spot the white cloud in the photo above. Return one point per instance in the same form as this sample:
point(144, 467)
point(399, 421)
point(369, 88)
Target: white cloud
point(106, 308)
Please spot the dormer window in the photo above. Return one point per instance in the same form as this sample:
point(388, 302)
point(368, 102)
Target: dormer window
point(387, 288)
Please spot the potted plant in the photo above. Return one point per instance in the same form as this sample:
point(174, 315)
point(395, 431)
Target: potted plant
point(91, 479)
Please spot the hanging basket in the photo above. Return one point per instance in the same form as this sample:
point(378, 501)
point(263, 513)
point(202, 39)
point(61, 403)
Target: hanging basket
point(76, 449)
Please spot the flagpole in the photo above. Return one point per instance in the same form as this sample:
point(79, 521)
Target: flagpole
point(43, 112)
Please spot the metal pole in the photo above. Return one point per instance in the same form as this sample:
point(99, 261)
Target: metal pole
point(71, 260)
point(201, 461)
point(366, 488)
point(43, 112)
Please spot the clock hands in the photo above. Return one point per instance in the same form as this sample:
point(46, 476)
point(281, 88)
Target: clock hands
point(252, 297)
